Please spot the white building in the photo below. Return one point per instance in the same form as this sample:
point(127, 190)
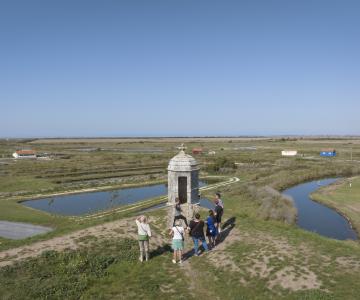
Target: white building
point(24, 154)
point(289, 153)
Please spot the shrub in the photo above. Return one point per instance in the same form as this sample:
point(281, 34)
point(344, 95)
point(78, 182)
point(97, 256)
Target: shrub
point(274, 205)
point(222, 165)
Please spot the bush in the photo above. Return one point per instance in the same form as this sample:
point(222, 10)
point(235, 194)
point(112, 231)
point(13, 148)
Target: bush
point(222, 165)
point(274, 205)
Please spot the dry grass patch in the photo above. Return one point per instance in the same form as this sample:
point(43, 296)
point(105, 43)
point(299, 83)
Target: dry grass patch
point(288, 278)
point(263, 257)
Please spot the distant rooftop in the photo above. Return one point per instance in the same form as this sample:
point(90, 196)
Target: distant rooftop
point(25, 152)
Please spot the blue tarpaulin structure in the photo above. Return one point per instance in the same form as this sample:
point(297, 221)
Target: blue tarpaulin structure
point(328, 152)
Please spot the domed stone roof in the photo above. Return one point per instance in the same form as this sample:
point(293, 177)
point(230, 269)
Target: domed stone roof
point(183, 163)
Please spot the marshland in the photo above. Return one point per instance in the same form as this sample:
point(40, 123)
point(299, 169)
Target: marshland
point(263, 254)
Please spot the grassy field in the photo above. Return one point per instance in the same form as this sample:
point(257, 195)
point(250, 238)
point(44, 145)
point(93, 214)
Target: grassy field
point(263, 255)
point(257, 260)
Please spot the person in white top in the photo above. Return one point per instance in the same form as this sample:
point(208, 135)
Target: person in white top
point(144, 234)
point(177, 233)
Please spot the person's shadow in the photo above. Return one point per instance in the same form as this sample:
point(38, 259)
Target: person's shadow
point(226, 229)
point(160, 250)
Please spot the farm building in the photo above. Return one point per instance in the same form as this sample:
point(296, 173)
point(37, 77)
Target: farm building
point(24, 154)
point(289, 153)
point(328, 152)
point(197, 151)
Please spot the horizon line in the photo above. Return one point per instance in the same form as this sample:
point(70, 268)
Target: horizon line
point(185, 136)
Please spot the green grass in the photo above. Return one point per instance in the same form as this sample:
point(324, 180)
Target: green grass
point(107, 270)
point(24, 183)
point(62, 275)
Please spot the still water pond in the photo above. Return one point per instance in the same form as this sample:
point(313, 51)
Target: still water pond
point(315, 217)
point(87, 203)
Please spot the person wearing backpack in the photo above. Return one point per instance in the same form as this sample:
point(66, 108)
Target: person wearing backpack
point(177, 233)
point(197, 233)
point(144, 234)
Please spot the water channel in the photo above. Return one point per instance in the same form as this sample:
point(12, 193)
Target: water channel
point(312, 216)
point(316, 217)
point(89, 203)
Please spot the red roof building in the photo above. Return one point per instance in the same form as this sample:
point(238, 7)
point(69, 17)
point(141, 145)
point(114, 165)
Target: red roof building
point(197, 151)
point(24, 154)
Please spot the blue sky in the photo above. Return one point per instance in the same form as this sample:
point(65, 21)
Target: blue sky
point(152, 68)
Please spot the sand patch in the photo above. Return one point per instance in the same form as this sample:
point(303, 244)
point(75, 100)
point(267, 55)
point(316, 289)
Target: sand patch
point(289, 278)
point(348, 263)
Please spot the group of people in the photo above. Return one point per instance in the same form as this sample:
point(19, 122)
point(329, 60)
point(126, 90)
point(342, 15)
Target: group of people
point(195, 228)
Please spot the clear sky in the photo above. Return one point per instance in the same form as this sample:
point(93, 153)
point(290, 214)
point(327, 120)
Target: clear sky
point(179, 67)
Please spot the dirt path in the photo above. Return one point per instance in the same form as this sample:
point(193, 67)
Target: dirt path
point(121, 228)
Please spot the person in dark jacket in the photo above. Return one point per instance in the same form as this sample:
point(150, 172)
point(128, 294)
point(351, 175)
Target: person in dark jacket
point(197, 233)
point(178, 213)
point(218, 214)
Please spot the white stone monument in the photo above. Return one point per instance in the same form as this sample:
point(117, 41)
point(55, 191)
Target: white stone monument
point(183, 182)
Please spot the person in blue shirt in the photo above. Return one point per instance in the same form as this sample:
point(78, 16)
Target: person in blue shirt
point(211, 230)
